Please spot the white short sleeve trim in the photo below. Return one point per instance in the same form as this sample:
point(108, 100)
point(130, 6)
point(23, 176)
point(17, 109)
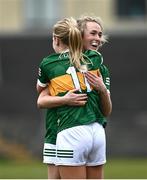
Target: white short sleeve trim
point(41, 84)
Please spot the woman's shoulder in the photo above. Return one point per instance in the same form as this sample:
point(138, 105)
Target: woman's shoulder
point(94, 56)
point(51, 58)
point(56, 57)
point(91, 53)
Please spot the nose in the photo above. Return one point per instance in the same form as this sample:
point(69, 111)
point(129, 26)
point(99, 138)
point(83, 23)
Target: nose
point(98, 37)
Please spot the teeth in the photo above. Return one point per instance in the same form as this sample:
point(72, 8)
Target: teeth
point(94, 44)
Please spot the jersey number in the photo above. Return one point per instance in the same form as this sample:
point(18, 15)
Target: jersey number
point(71, 70)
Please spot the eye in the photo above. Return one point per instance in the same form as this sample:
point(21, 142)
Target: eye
point(100, 34)
point(93, 33)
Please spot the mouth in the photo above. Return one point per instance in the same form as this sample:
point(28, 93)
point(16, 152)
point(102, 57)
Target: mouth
point(95, 45)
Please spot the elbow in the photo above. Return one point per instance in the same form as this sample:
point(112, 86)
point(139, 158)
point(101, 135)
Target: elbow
point(39, 104)
point(107, 112)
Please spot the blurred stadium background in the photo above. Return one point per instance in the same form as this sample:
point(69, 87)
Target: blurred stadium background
point(25, 38)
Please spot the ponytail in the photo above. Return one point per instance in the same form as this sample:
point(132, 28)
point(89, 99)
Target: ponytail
point(68, 32)
point(75, 46)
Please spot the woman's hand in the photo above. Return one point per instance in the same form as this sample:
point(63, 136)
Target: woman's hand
point(73, 99)
point(95, 81)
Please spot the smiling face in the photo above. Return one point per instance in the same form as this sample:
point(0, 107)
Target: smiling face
point(92, 36)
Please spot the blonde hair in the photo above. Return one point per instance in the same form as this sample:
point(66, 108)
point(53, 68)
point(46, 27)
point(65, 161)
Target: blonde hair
point(67, 31)
point(82, 22)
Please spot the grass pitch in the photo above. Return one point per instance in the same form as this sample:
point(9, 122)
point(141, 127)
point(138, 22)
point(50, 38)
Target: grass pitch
point(114, 169)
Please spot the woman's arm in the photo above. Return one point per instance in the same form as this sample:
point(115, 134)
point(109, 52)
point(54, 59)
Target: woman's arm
point(70, 98)
point(40, 88)
point(97, 83)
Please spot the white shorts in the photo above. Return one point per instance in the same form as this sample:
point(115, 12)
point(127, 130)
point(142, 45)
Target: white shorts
point(81, 145)
point(49, 153)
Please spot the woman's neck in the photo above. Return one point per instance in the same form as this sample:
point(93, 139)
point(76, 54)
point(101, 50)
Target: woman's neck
point(63, 50)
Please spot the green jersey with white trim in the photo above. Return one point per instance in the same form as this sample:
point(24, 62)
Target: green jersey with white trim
point(61, 76)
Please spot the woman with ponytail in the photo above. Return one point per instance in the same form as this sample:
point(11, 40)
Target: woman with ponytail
point(79, 150)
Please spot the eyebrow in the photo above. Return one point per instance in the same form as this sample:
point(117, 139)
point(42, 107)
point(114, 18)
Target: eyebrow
point(95, 31)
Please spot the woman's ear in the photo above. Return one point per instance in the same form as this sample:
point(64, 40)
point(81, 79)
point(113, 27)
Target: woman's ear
point(56, 40)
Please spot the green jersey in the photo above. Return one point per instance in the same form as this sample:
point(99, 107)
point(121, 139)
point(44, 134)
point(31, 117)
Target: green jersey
point(51, 126)
point(61, 76)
